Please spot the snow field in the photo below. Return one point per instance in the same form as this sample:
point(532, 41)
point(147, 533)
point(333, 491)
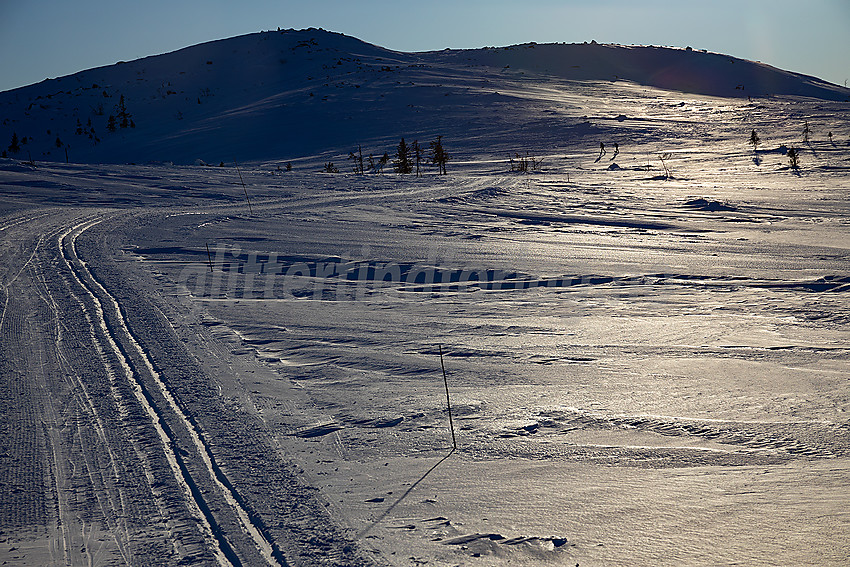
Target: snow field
point(647, 356)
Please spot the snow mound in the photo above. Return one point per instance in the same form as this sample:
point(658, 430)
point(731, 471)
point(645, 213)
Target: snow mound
point(706, 205)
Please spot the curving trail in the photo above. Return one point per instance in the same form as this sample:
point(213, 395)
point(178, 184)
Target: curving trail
point(96, 478)
point(98, 324)
point(104, 301)
point(102, 461)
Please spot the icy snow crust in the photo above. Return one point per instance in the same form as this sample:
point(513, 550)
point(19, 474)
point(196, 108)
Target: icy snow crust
point(647, 361)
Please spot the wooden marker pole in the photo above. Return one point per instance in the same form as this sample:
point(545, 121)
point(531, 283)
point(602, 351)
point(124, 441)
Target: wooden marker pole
point(448, 401)
point(209, 257)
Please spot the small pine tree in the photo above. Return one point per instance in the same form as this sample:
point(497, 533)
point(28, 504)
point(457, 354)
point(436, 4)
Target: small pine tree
point(806, 132)
point(79, 130)
point(402, 162)
point(58, 142)
point(289, 166)
point(794, 158)
point(123, 115)
point(14, 145)
point(385, 159)
point(111, 124)
point(439, 157)
point(330, 168)
point(755, 140)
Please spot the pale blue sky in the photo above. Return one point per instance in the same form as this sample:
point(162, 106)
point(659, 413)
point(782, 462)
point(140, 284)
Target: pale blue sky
point(50, 38)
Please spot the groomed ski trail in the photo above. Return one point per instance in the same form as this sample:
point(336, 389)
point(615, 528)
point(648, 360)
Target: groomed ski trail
point(225, 555)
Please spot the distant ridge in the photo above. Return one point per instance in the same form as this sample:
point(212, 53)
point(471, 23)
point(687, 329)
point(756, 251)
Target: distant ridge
point(685, 70)
point(276, 95)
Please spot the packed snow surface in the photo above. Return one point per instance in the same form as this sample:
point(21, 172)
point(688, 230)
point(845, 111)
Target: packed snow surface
point(644, 334)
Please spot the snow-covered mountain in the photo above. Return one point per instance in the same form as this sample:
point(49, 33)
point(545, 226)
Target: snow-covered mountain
point(288, 94)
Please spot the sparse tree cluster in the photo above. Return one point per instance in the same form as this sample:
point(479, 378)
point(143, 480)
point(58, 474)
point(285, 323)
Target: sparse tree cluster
point(525, 163)
point(16, 145)
point(409, 158)
point(121, 118)
point(792, 153)
point(58, 141)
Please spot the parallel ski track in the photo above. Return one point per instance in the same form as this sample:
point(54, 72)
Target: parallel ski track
point(225, 554)
point(10, 223)
point(175, 463)
point(96, 420)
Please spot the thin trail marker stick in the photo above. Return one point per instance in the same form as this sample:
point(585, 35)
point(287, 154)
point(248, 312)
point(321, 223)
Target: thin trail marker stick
point(209, 256)
point(243, 187)
point(448, 401)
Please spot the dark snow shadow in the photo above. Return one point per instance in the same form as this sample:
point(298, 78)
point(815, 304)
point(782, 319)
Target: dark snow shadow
point(401, 498)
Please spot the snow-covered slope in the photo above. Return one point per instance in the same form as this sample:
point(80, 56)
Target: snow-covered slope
point(288, 94)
